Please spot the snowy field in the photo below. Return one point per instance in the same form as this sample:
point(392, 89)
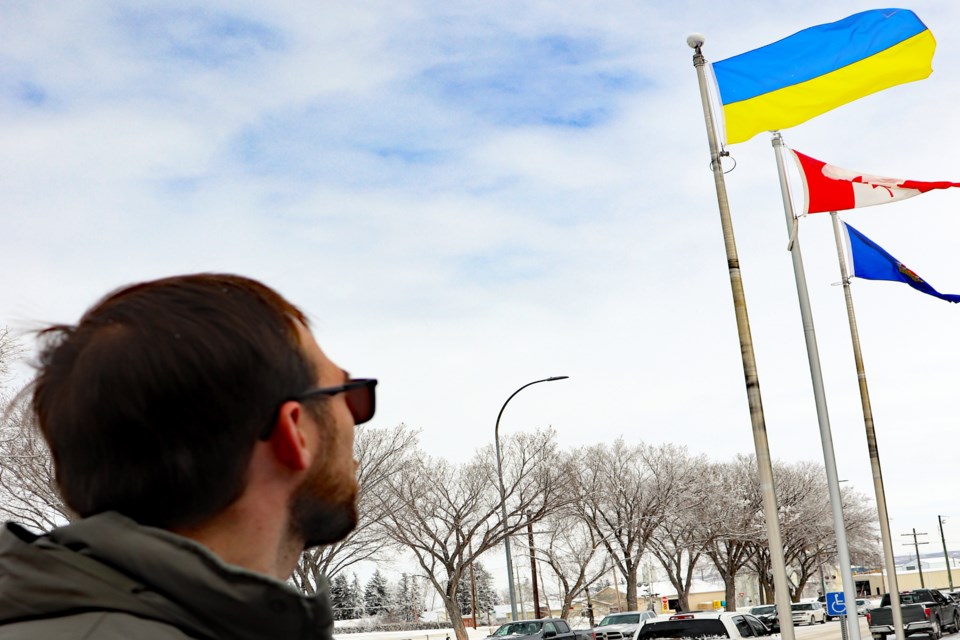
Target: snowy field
point(423, 634)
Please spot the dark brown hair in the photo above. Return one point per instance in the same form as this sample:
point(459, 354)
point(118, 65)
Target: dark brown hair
point(152, 403)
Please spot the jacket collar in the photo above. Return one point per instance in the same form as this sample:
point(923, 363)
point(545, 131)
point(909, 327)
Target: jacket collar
point(177, 580)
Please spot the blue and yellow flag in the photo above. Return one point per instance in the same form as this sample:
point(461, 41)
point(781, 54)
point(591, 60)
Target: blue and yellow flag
point(871, 262)
point(818, 69)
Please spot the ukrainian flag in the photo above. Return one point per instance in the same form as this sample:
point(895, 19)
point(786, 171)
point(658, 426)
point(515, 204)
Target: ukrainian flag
point(820, 68)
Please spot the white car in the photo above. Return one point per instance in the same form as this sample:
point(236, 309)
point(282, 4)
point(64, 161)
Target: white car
point(864, 605)
point(808, 613)
point(708, 624)
point(618, 626)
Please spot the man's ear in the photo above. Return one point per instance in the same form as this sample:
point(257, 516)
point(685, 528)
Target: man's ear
point(288, 439)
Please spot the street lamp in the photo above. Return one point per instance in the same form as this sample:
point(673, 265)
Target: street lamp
point(503, 490)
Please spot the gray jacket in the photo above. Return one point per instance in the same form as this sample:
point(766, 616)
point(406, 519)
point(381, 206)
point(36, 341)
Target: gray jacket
point(106, 578)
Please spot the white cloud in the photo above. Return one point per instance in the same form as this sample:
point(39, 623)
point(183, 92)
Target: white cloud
point(468, 197)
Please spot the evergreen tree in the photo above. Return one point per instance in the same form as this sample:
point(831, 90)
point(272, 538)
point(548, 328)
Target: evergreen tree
point(404, 602)
point(375, 599)
point(398, 599)
point(340, 597)
point(464, 596)
point(486, 595)
point(356, 599)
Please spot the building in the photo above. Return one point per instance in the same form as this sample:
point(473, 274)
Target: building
point(935, 575)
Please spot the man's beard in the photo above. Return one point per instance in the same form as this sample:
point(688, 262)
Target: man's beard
point(323, 511)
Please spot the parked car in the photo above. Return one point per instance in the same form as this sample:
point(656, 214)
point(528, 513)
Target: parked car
point(951, 595)
point(767, 614)
point(823, 603)
point(924, 611)
point(864, 605)
point(618, 626)
point(540, 629)
point(709, 624)
point(808, 613)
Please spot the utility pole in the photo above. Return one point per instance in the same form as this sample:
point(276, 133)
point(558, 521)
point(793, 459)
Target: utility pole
point(946, 556)
point(546, 596)
point(590, 609)
point(533, 567)
point(616, 587)
point(917, 550)
point(473, 587)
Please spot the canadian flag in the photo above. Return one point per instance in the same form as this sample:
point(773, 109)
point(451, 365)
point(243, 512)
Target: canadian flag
point(830, 188)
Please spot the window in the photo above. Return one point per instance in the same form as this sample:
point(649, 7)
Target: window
point(743, 626)
point(695, 628)
point(518, 629)
point(759, 629)
point(562, 626)
point(549, 629)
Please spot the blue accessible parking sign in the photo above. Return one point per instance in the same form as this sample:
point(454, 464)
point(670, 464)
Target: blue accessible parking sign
point(835, 604)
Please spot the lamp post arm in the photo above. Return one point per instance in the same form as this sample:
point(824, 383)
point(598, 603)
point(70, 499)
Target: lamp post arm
point(496, 431)
point(503, 492)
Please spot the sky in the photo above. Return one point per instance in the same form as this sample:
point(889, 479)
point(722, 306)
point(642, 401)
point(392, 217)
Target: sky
point(469, 196)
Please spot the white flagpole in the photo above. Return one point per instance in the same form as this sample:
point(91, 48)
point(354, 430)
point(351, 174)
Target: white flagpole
point(820, 398)
point(872, 448)
point(764, 465)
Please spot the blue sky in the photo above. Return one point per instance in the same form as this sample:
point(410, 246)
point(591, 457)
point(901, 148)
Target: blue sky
point(469, 196)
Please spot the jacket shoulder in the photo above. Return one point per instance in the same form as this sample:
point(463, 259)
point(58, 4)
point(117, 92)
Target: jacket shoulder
point(92, 625)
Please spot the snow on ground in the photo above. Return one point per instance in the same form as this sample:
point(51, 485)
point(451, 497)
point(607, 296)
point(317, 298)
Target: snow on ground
point(420, 634)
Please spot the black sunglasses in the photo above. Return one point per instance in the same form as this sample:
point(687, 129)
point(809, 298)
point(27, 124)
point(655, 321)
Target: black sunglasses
point(361, 399)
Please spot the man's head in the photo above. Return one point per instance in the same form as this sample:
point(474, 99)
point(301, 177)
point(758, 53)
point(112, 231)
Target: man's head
point(152, 404)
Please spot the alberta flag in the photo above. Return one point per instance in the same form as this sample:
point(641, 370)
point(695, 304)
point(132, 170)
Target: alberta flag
point(871, 262)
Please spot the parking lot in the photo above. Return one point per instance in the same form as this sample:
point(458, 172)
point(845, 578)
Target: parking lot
point(831, 631)
point(827, 631)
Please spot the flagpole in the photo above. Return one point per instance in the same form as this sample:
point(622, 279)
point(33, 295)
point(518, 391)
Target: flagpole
point(754, 401)
point(820, 398)
point(888, 559)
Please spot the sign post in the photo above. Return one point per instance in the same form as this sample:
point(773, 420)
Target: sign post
point(837, 606)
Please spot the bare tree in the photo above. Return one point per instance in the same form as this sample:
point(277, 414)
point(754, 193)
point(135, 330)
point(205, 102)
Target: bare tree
point(806, 524)
point(860, 519)
point(381, 454)
point(732, 520)
point(574, 552)
point(10, 350)
point(624, 492)
point(815, 541)
point(448, 515)
point(676, 544)
point(28, 489)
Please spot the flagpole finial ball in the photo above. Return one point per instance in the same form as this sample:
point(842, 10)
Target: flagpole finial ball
point(695, 40)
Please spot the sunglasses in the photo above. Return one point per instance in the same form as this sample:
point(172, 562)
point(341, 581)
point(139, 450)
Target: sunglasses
point(361, 399)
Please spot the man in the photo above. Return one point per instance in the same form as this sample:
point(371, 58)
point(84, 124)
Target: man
point(204, 440)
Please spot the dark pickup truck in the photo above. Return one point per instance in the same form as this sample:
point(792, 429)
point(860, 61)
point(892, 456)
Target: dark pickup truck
point(540, 629)
point(924, 611)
